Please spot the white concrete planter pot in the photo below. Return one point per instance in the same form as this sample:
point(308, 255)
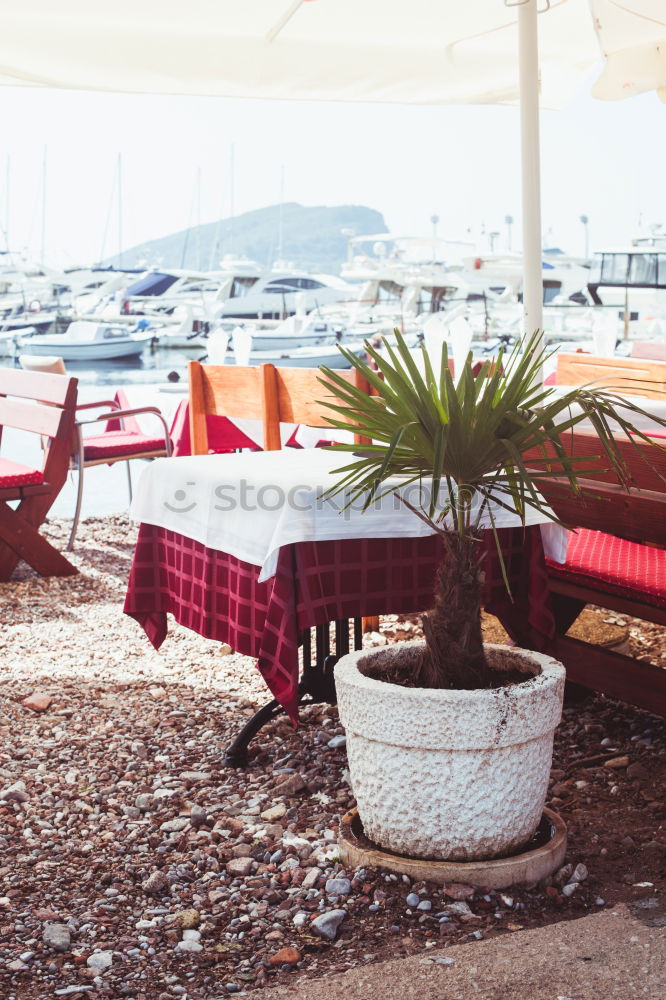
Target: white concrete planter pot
point(442, 774)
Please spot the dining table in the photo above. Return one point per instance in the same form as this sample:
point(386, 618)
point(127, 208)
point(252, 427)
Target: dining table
point(251, 549)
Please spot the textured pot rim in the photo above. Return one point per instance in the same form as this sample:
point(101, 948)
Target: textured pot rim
point(551, 672)
point(442, 719)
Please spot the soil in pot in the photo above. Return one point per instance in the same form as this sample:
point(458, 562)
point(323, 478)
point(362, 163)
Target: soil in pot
point(401, 664)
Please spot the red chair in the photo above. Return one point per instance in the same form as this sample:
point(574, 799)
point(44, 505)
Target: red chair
point(123, 440)
point(43, 405)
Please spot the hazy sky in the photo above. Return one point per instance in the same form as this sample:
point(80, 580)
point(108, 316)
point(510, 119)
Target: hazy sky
point(605, 160)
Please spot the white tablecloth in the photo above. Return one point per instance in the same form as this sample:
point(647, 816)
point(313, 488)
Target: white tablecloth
point(251, 504)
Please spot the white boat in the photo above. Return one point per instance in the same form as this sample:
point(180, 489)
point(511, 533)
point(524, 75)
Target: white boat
point(304, 357)
point(85, 341)
point(281, 293)
point(297, 331)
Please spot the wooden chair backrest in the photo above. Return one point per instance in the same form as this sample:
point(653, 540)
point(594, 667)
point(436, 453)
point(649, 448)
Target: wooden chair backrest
point(300, 397)
point(638, 514)
point(227, 391)
point(629, 376)
point(43, 404)
point(648, 349)
point(45, 363)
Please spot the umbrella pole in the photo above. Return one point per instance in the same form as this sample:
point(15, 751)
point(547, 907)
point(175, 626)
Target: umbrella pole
point(528, 61)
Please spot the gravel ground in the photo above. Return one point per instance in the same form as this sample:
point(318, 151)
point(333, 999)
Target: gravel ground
point(133, 864)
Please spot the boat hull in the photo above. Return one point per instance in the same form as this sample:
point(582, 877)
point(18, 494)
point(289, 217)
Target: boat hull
point(92, 351)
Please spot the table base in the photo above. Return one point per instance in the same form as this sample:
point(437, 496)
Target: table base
point(316, 684)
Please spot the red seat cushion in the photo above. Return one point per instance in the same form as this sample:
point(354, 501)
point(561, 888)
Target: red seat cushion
point(616, 566)
point(14, 474)
point(115, 444)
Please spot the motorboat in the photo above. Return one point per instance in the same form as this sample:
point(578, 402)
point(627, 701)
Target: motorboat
point(86, 341)
point(304, 357)
point(163, 290)
point(297, 331)
point(281, 293)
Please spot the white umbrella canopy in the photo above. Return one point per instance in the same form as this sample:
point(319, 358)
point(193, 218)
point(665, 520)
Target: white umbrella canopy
point(421, 51)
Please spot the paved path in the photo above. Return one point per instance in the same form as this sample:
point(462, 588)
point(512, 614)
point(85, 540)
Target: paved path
point(611, 955)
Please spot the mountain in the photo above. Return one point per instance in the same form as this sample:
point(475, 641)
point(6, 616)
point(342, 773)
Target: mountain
point(312, 238)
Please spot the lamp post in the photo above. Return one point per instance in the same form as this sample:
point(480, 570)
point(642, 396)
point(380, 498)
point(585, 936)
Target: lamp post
point(584, 219)
point(509, 222)
point(349, 235)
point(434, 220)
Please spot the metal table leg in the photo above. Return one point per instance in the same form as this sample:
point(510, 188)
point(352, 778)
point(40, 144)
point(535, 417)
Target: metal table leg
point(316, 684)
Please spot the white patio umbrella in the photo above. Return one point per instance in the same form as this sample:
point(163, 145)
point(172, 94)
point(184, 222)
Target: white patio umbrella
point(420, 52)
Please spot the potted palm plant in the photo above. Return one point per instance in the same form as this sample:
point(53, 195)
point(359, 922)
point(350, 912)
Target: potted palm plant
point(450, 742)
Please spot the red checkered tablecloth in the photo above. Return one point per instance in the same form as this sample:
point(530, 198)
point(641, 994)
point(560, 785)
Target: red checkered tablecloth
point(218, 595)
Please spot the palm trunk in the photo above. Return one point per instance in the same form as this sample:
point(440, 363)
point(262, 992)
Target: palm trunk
point(453, 627)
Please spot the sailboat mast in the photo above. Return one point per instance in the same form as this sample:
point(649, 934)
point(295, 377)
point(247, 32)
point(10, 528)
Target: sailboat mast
point(281, 213)
point(231, 199)
point(44, 164)
point(120, 209)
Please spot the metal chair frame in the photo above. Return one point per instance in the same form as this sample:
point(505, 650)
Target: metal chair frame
point(79, 463)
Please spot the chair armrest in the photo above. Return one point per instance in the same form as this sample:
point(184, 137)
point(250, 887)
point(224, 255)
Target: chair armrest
point(131, 413)
point(112, 403)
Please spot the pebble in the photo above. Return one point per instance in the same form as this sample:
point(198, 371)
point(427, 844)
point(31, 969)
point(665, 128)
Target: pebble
point(38, 701)
point(175, 825)
point(156, 884)
point(240, 866)
point(15, 793)
point(425, 904)
point(412, 899)
point(275, 812)
point(285, 956)
point(327, 924)
point(100, 960)
point(189, 946)
point(338, 886)
point(337, 742)
point(198, 816)
point(580, 873)
point(187, 919)
point(617, 762)
point(311, 878)
point(459, 890)
point(291, 786)
point(57, 937)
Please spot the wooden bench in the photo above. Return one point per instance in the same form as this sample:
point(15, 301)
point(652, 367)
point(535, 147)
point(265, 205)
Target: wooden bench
point(626, 376)
point(617, 559)
point(43, 405)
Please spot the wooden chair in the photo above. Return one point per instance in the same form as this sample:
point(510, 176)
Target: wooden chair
point(44, 405)
point(617, 559)
point(122, 441)
point(230, 391)
point(629, 376)
point(297, 396)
